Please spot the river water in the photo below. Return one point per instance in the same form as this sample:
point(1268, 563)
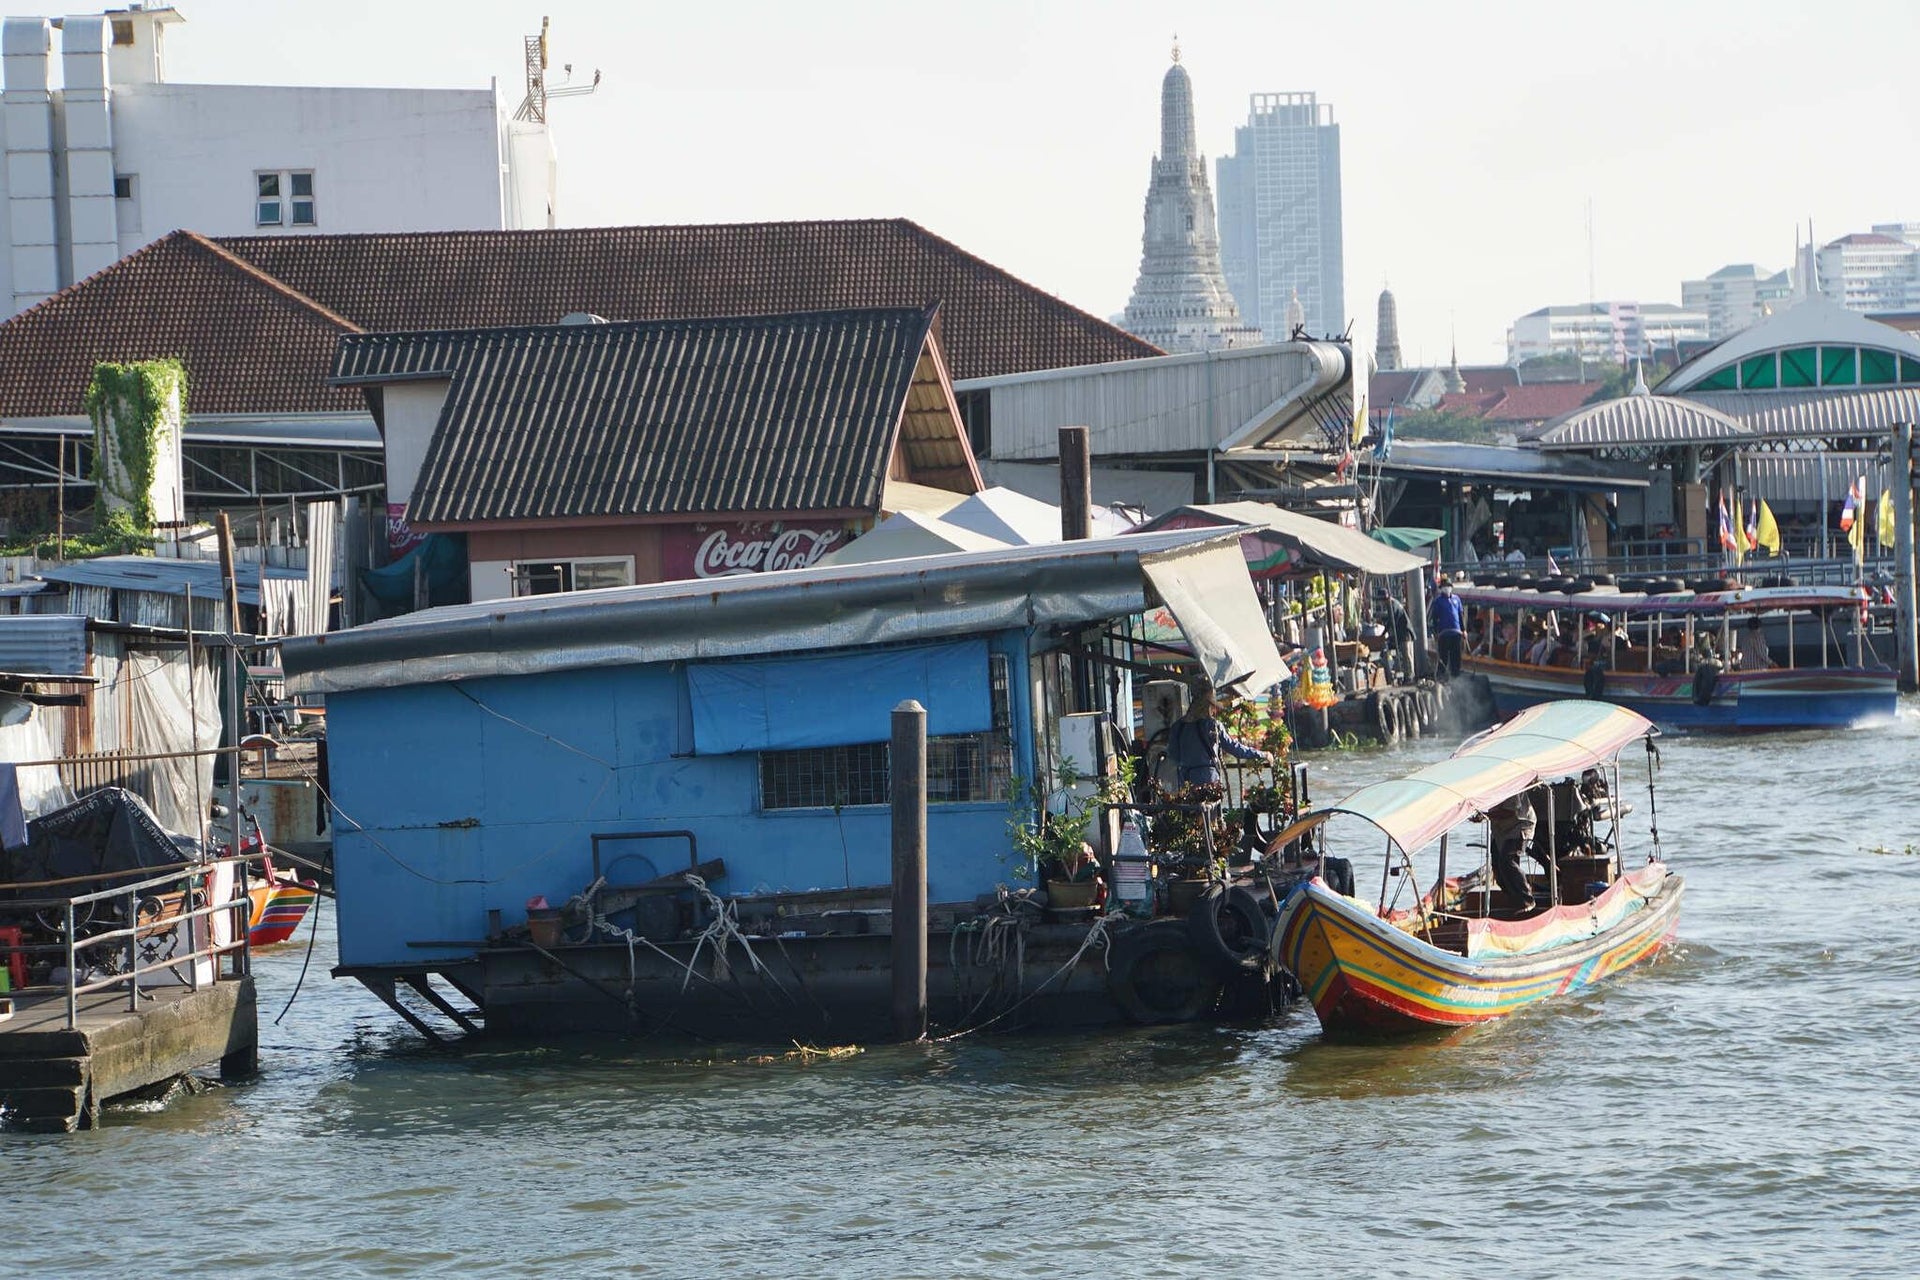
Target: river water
point(1745, 1107)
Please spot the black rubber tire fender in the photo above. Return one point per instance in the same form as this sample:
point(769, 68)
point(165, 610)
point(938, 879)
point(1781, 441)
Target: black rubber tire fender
point(1230, 929)
point(1158, 976)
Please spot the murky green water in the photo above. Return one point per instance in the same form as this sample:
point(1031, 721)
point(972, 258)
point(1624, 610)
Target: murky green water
point(1746, 1107)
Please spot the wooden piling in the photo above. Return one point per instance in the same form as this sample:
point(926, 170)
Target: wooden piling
point(1076, 485)
point(908, 782)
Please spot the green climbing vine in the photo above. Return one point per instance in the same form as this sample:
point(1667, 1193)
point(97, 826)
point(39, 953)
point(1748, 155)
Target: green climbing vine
point(128, 406)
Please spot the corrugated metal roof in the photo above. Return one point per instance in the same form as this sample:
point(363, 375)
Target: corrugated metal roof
point(1499, 462)
point(43, 644)
point(788, 610)
point(163, 576)
point(1810, 321)
point(1640, 420)
point(659, 417)
point(1826, 412)
point(1801, 477)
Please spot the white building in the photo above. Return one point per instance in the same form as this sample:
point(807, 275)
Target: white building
point(1872, 271)
point(1612, 332)
point(1736, 296)
point(104, 155)
point(1280, 229)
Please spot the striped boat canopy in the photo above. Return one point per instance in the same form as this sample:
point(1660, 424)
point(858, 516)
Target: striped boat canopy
point(1543, 743)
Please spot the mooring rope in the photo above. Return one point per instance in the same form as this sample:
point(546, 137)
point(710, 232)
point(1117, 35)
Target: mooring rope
point(1097, 936)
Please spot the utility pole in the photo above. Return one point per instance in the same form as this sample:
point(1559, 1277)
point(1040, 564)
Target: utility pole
point(1900, 475)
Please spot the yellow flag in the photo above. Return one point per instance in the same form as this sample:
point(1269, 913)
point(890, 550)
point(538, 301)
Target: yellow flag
point(1766, 532)
point(1857, 538)
point(1884, 533)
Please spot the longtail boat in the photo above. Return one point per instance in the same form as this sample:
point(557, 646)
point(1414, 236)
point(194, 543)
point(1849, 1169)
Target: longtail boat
point(279, 903)
point(1736, 659)
point(1467, 951)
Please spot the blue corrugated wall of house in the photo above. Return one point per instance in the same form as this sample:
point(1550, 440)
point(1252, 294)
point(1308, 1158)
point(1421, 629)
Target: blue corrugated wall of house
point(457, 799)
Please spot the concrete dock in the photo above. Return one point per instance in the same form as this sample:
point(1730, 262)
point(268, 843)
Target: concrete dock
point(53, 1079)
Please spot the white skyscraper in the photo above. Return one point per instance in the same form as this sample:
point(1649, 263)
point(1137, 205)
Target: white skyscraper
point(1280, 214)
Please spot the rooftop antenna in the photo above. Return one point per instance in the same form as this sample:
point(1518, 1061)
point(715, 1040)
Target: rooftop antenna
point(534, 106)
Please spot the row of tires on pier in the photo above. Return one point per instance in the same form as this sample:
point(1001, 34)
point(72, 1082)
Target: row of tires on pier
point(1568, 584)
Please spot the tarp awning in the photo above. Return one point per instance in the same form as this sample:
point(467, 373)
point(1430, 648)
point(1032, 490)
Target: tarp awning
point(1552, 740)
point(1320, 544)
point(783, 704)
point(1212, 597)
point(1406, 537)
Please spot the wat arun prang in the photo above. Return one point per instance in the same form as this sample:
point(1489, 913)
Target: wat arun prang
point(1181, 301)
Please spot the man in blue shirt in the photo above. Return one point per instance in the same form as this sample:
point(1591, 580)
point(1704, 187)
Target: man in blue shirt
point(1196, 741)
point(1448, 620)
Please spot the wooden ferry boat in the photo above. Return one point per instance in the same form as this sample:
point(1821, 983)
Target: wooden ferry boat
point(1729, 660)
point(1463, 953)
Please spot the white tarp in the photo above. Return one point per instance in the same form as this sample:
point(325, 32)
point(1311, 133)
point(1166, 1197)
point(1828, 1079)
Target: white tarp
point(1211, 595)
point(906, 534)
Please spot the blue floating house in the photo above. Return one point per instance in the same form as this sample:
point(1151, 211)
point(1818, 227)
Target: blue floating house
point(488, 754)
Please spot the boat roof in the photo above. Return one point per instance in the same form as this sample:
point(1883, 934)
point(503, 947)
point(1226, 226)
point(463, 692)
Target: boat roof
point(1545, 742)
point(1735, 600)
point(1199, 574)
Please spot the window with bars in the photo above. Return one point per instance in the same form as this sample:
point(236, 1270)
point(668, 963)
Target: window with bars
point(961, 768)
point(547, 577)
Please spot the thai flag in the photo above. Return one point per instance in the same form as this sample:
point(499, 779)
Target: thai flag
point(1552, 568)
point(1847, 511)
point(1726, 529)
point(1753, 525)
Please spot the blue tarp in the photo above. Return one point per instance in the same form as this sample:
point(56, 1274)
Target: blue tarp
point(446, 568)
point(836, 701)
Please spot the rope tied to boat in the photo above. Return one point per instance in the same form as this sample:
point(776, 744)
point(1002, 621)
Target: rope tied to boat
point(1097, 936)
point(725, 927)
point(1653, 807)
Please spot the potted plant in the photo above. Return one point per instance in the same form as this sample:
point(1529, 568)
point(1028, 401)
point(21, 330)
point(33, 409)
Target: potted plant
point(1048, 831)
point(1191, 841)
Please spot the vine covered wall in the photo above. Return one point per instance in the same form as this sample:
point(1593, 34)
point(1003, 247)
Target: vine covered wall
point(137, 410)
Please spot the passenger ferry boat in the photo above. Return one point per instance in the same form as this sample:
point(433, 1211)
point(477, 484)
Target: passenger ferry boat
point(1465, 951)
point(1721, 660)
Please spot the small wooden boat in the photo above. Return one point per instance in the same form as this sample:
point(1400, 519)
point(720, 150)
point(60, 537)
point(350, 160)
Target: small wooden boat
point(1733, 660)
point(1464, 952)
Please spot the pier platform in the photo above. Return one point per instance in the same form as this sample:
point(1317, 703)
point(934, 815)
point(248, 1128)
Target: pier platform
point(53, 1079)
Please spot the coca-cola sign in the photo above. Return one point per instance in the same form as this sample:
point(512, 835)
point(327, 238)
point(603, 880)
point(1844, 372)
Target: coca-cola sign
point(723, 550)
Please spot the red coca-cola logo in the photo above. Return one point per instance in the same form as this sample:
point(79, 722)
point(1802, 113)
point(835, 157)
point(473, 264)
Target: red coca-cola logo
point(748, 549)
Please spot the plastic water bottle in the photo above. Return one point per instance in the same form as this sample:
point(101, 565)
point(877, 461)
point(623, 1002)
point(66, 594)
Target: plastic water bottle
point(1130, 865)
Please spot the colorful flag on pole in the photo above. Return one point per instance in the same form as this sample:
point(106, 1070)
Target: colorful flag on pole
point(1847, 508)
point(1553, 570)
point(1883, 530)
point(1767, 533)
point(1753, 525)
point(1727, 542)
point(1855, 527)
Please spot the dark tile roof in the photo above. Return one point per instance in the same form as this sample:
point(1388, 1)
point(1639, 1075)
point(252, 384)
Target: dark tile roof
point(249, 343)
point(255, 317)
point(652, 418)
point(991, 322)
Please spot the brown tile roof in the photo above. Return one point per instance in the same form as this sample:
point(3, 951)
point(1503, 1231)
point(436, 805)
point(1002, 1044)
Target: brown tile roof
point(259, 302)
point(653, 418)
point(1539, 401)
point(1483, 378)
point(183, 296)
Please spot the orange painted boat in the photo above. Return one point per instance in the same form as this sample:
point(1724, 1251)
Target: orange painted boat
point(1462, 953)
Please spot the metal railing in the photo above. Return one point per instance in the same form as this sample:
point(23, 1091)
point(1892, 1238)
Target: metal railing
point(144, 910)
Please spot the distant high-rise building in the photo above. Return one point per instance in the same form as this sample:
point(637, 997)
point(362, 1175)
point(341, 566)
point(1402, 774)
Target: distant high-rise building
point(1386, 347)
point(1872, 271)
point(1735, 296)
point(1280, 213)
point(1181, 301)
point(1609, 332)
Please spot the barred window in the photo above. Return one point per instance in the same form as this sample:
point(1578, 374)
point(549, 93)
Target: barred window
point(960, 767)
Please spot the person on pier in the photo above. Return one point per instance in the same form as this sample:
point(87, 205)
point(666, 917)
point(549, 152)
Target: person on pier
point(1197, 740)
point(1448, 619)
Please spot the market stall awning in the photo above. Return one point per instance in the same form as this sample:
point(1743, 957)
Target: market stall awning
point(1406, 537)
point(1318, 544)
point(1549, 741)
point(1211, 596)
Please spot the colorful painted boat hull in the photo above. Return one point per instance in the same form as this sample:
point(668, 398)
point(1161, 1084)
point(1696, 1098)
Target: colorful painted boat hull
point(1363, 974)
point(1741, 701)
point(278, 909)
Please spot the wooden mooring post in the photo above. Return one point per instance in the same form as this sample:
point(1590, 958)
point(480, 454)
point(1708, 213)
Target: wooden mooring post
point(1076, 485)
point(1906, 613)
point(908, 786)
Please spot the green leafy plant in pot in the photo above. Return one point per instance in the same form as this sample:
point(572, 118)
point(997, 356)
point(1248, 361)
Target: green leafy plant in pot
point(1048, 830)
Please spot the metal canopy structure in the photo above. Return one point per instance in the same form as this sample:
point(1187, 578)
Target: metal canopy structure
point(1429, 459)
point(1320, 544)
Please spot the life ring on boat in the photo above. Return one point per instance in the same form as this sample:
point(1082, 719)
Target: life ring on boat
point(1704, 681)
point(1158, 976)
point(1230, 928)
point(1594, 682)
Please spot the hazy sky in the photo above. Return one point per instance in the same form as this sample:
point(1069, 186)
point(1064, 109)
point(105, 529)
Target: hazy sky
point(1473, 134)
